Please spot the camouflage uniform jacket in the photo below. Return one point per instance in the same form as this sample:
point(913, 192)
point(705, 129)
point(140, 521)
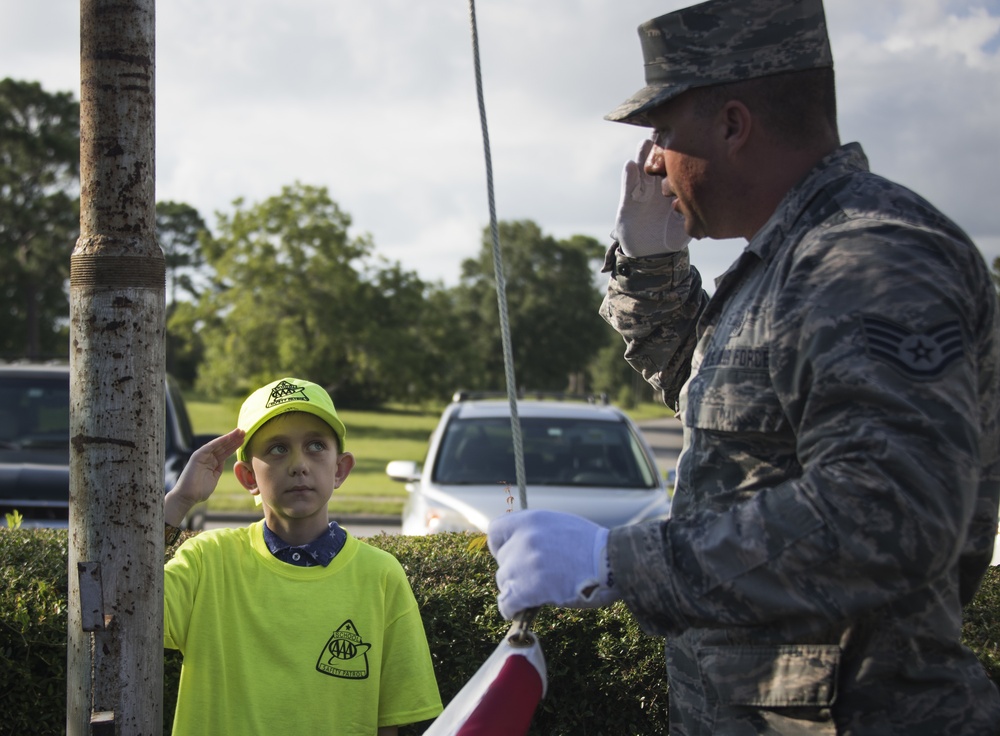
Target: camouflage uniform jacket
point(837, 491)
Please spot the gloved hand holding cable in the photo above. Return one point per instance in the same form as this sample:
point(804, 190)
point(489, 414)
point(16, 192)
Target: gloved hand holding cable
point(547, 557)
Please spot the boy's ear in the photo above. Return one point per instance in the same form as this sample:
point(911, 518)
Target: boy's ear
point(244, 474)
point(345, 464)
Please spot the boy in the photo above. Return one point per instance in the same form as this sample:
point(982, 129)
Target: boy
point(289, 625)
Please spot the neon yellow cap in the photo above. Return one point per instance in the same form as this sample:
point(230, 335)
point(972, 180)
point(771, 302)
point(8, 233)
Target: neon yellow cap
point(284, 395)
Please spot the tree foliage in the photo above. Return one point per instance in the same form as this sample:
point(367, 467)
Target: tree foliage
point(552, 303)
point(185, 349)
point(295, 294)
point(178, 227)
point(612, 375)
point(39, 216)
point(407, 344)
point(178, 230)
point(283, 287)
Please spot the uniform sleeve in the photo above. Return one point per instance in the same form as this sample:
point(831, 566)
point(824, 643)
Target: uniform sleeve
point(408, 689)
point(884, 361)
point(654, 304)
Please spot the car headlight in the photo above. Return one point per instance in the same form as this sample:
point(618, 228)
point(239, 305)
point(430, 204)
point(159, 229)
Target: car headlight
point(439, 519)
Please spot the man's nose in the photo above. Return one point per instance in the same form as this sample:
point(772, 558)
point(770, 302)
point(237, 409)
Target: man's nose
point(654, 165)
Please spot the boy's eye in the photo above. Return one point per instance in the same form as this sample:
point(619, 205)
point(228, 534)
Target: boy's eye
point(317, 446)
point(277, 449)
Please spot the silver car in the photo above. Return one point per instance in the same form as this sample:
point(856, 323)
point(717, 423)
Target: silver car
point(584, 458)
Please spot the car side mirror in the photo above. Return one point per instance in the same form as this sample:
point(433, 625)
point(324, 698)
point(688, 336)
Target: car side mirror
point(404, 471)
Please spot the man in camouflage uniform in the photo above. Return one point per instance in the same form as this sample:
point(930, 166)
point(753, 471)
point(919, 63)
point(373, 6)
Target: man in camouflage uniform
point(836, 497)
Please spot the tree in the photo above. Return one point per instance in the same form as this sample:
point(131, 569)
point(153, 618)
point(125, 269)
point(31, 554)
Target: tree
point(39, 216)
point(287, 293)
point(294, 294)
point(449, 359)
point(178, 229)
point(612, 375)
point(178, 226)
point(552, 303)
point(409, 347)
point(184, 348)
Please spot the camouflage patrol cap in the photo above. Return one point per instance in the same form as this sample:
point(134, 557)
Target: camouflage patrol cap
point(722, 41)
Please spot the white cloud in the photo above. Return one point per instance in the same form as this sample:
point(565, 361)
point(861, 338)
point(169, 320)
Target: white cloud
point(376, 100)
point(946, 35)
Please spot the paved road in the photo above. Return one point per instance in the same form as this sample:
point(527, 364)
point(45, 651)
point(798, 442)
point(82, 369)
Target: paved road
point(664, 436)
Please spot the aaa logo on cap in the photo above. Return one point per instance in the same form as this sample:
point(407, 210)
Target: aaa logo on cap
point(345, 654)
point(285, 392)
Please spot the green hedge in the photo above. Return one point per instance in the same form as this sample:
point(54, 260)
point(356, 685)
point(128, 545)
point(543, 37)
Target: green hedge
point(605, 676)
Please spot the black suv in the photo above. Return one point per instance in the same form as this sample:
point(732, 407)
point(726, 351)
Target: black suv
point(34, 443)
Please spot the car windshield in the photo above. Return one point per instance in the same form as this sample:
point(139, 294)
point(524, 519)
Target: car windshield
point(34, 412)
point(566, 452)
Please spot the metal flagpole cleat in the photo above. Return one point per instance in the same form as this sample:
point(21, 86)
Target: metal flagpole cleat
point(520, 634)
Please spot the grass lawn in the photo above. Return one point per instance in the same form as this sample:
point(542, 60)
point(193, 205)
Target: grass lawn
point(375, 438)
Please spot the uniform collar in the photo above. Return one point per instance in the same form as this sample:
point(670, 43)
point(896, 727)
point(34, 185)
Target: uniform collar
point(844, 161)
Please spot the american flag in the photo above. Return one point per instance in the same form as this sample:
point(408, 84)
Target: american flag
point(501, 698)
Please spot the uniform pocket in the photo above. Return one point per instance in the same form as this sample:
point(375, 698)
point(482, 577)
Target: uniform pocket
point(730, 399)
point(777, 676)
point(770, 689)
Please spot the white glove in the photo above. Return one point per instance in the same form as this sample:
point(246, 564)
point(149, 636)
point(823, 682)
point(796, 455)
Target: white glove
point(550, 557)
point(646, 224)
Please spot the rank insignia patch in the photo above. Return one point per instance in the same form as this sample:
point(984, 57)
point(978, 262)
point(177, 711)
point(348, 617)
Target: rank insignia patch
point(922, 356)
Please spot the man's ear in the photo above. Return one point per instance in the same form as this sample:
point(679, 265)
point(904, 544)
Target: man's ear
point(345, 464)
point(737, 124)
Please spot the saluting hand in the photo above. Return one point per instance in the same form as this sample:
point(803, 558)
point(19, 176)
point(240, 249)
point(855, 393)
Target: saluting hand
point(201, 475)
point(646, 223)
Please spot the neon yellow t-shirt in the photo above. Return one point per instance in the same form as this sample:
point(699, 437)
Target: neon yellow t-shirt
point(271, 648)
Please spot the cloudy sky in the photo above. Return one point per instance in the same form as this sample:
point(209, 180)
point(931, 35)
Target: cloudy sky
point(376, 100)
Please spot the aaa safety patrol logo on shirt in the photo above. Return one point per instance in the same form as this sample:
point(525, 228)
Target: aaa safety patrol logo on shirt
point(345, 654)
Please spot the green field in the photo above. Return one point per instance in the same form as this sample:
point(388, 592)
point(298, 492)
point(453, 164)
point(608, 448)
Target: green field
point(374, 437)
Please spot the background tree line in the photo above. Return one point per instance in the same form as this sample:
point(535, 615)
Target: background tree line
point(283, 286)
